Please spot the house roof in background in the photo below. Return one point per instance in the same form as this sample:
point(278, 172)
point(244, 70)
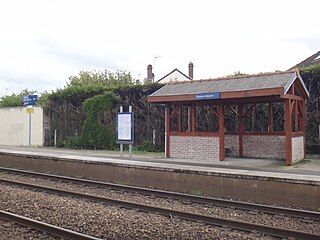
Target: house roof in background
point(174, 70)
point(312, 60)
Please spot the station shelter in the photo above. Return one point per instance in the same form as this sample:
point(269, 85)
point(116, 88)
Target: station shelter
point(198, 111)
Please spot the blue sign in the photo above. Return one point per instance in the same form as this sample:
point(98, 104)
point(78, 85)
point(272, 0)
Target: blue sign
point(124, 127)
point(30, 100)
point(206, 96)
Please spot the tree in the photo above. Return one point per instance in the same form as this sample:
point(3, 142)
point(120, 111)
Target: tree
point(100, 77)
point(14, 100)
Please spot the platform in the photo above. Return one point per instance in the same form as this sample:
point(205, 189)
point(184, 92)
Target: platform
point(260, 180)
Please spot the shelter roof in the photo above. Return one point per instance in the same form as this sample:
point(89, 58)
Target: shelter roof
point(269, 84)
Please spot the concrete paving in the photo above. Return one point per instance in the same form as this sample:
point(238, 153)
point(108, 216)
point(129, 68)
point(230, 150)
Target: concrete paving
point(310, 166)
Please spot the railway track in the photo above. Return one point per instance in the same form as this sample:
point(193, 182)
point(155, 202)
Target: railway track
point(279, 232)
point(44, 227)
point(180, 196)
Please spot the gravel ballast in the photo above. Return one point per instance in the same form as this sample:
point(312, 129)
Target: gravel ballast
point(223, 212)
point(108, 222)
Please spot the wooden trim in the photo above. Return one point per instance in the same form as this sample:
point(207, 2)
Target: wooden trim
point(297, 134)
point(193, 119)
point(264, 133)
point(234, 111)
point(168, 131)
point(174, 111)
point(292, 105)
point(232, 133)
point(241, 129)
point(223, 95)
point(221, 132)
point(257, 133)
point(287, 122)
point(293, 97)
point(300, 103)
point(253, 93)
point(303, 126)
point(296, 117)
point(195, 134)
point(215, 112)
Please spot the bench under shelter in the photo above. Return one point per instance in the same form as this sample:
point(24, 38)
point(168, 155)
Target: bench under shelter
point(250, 116)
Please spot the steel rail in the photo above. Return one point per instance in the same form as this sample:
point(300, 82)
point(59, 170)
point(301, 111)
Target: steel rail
point(245, 226)
point(180, 196)
point(45, 227)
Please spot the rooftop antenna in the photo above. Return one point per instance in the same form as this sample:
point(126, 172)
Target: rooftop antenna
point(154, 65)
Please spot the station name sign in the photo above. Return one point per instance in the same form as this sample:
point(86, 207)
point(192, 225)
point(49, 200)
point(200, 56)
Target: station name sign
point(30, 100)
point(207, 96)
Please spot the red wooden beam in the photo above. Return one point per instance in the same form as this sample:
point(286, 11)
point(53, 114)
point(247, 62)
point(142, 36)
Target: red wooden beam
point(174, 111)
point(221, 132)
point(296, 117)
point(215, 112)
point(233, 110)
point(294, 97)
point(168, 107)
point(292, 105)
point(287, 113)
point(303, 126)
point(273, 92)
point(193, 119)
point(241, 129)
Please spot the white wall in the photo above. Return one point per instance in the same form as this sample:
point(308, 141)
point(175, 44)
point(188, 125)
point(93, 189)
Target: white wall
point(14, 126)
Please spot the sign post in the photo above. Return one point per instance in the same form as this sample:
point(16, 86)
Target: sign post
point(124, 129)
point(30, 101)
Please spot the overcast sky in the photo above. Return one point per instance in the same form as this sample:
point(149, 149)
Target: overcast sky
point(44, 42)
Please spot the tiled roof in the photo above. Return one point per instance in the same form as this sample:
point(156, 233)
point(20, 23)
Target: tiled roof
point(233, 84)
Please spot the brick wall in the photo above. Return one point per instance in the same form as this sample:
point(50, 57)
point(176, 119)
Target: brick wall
point(194, 147)
point(231, 143)
point(297, 148)
point(265, 146)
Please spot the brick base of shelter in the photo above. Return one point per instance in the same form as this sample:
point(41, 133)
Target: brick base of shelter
point(195, 147)
point(254, 146)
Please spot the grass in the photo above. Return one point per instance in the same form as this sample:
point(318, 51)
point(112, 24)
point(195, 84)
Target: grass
point(196, 193)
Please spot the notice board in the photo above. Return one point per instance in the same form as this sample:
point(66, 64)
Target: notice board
point(124, 127)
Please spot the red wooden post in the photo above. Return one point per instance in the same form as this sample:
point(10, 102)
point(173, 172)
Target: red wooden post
point(221, 132)
point(241, 129)
point(296, 116)
point(168, 113)
point(287, 122)
point(303, 126)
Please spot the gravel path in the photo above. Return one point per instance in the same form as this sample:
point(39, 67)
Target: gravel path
point(105, 221)
point(234, 214)
point(12, 231)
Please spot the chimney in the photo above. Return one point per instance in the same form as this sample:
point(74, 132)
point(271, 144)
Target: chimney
point(190, 70)
point(150, 75)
